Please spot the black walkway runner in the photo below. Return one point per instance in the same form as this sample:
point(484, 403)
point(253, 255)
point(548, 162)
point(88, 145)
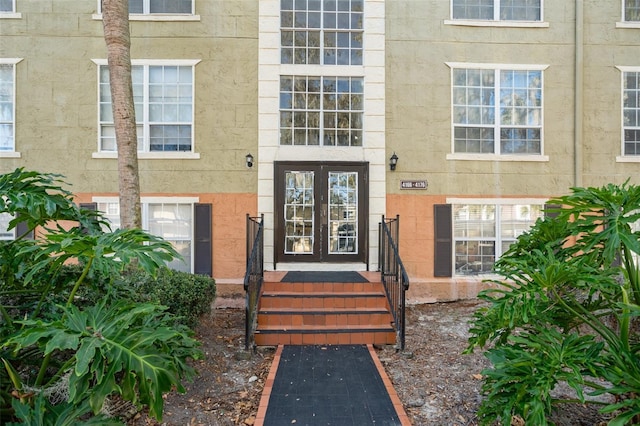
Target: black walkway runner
point(329, 385)
point(323, 277)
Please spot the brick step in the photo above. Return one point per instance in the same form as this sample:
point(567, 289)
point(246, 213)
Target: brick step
point(322, 300)
point(312, 287)
point(311, 335)
point(287, 317)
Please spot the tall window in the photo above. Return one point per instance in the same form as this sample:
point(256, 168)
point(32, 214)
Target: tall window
point(497, 111)
point(7, 6)
point(321, 110)
point(631, 112)
point(497, 10)
point(327, 32)
point(7, 107)
point(163, 96)
point(631, 10)
point(171, 221)
point(483, 232)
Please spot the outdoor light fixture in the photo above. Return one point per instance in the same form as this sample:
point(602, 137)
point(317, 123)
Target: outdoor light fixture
point(393, 161)
point(249, 159)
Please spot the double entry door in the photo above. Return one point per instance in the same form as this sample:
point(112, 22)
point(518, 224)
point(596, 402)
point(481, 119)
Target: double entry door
point(320, 211)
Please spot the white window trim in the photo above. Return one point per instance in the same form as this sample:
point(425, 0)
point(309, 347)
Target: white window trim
point(494, 201)
point(14, 153)
point(622, 158)
point(145, 201)
point(193, 155)
point(504, 24)
point(498, 157)
point(626, 24)
point(13, 14)
point(497, 22)
point(158, 17)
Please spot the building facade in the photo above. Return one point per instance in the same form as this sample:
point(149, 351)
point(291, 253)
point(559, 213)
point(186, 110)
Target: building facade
point(490, 108)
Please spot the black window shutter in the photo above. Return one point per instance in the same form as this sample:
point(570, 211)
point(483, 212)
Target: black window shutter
point(552, 215)
point(88, 206)
point(21, 228)
point(202, 249)
point(442, 266)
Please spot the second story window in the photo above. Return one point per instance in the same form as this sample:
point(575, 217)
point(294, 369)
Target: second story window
point(631, 112)
point(321, 110)
point(163, 96)
point(161, 7)
point(497, 10)
point(497, 111)
point(632, 10)
point(327, 32)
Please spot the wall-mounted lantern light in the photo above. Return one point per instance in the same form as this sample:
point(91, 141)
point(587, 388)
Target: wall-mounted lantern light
point(249, 159)
point(393, 161)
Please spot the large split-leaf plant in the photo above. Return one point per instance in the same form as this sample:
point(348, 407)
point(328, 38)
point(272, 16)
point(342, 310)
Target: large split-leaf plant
point(64, 358)
point(565, 311)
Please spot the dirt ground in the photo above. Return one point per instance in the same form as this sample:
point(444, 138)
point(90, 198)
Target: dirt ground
point(436, 384)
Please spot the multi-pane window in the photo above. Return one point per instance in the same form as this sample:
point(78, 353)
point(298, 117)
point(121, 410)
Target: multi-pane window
point(497, 111)
point(497, 10)
point(632, 10)
point(483, 232)
point(321, 110)
point(631, 112)
point(163, 97)
point(7, 6)
point(171, 221)
point(7, 107)
point(5, 233)
point(327, 32)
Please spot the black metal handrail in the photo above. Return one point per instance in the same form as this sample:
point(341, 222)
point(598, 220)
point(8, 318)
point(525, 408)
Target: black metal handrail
point(394, 276)
point(254, 276)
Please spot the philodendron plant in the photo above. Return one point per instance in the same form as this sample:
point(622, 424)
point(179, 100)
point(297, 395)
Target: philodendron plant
point(565, 311)
point(64, 358)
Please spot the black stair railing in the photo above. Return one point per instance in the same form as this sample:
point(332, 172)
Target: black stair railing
point(394, 276)
point(254, 276)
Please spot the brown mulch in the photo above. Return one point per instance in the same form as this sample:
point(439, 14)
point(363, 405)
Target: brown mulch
point(436, 384)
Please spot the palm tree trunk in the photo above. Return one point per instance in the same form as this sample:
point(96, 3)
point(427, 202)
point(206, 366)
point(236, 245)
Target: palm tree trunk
point(115, 21)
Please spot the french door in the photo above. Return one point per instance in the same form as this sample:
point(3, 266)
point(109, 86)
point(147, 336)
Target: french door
point(320, 211)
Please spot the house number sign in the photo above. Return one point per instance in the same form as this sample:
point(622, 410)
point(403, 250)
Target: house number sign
point(413, 184)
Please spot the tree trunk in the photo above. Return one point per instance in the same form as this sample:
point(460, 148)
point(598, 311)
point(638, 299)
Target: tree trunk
point(115, 21)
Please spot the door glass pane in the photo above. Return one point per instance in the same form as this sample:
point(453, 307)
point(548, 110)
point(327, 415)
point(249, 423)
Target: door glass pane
point(343, 212)
point(299, 212)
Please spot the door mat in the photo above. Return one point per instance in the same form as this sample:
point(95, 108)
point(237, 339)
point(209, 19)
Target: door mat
point(323, 277)
point(329, 385)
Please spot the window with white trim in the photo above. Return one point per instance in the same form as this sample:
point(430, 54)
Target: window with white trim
point(163, 96)
point(7, 107)
point(7, 6)
point(631, 10)
point(497, 10)
point(321, 110)
point(151, 7)
point(5, 233)
point(327, 32)
point(631, 112)
point(483, 232)
point(173, 221)
point(497, 111)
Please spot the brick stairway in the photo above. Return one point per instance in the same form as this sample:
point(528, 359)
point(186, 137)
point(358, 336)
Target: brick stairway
point(324, 313)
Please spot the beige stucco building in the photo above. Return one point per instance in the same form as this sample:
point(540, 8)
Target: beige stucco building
point(490, 107)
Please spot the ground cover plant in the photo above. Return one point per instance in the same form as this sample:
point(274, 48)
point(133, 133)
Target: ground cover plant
point(73, 337)
point(565, 311)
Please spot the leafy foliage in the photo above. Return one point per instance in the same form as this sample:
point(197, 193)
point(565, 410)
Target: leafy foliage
point(67, 329)
point(566, 310)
